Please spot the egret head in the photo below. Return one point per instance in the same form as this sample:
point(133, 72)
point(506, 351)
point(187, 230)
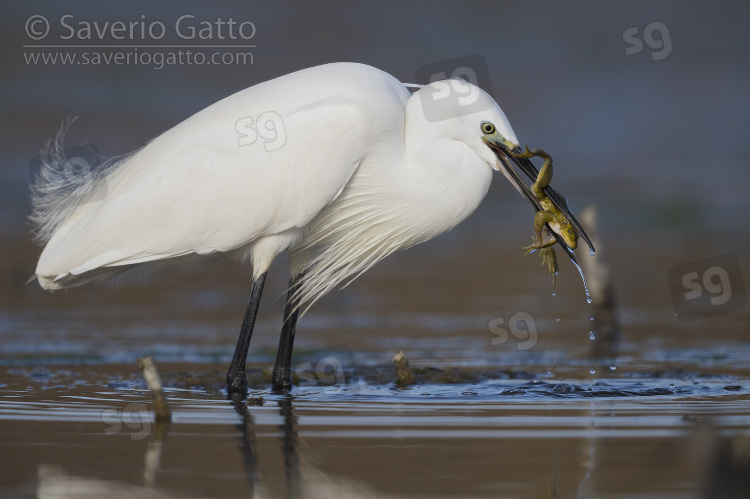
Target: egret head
point(459, 111)
point(502, 147)
point(463, 112)
point(468, 114)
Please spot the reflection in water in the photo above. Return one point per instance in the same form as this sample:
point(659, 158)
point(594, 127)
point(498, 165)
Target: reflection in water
point(431, 440)
point(512, 437)
point(247, 444)
point(55, 483)
point(310, 482)
point(153, 452)
point(588, 450)
point(291, 448)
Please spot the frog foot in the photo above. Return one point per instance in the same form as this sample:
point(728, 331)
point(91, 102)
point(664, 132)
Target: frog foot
point(525, 154)
point(533, 247)
point(550, 259)
point(539, 244)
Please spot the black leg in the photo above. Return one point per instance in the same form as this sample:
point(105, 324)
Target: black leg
point(236, 379)
point(282, 376)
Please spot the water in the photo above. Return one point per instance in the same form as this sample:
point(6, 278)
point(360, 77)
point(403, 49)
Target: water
point(365, 440)
point(515, 418)
point(583, 279)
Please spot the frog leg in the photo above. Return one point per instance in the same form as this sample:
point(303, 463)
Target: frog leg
point(545, 175)
point(540, 219)
point(550, 258)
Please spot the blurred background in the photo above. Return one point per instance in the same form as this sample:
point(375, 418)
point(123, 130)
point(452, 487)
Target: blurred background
point(644, 107)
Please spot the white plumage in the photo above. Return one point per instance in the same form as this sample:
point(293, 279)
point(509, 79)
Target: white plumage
point(362, 173)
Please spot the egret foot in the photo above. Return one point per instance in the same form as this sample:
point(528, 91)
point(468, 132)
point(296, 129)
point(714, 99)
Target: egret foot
point(282, 382)
point(236, 383)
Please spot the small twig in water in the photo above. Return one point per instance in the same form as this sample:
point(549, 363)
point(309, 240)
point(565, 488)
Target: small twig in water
point(151, 376)
point(405, 374)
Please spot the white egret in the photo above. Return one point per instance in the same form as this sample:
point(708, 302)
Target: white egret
point(337, 164)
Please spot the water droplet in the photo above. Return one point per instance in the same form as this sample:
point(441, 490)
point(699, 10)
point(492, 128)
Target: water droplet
point(592, 252)
point(585, 287)
point(671, 386)
point(612, 368)
point(592, 335)
point(591, 319)
point(555, 294)
point(557, 320)
point(592, 370)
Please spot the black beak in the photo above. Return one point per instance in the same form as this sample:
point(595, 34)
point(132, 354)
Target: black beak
point(528, 168)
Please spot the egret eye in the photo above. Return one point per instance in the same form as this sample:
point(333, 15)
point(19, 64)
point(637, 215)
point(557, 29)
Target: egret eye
point(488, 128)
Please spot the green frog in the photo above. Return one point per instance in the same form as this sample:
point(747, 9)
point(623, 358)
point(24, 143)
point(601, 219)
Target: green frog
point(549, 215)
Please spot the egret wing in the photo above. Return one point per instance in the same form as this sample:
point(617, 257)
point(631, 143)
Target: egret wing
point(256, 163)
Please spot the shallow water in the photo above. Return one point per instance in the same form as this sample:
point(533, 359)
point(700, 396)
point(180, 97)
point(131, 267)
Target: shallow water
point(538, 431)
point(492, 416)
point(530, 412)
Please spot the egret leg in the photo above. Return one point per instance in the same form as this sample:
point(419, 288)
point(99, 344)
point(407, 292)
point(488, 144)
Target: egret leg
point(282, 376)
point(236, 379)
